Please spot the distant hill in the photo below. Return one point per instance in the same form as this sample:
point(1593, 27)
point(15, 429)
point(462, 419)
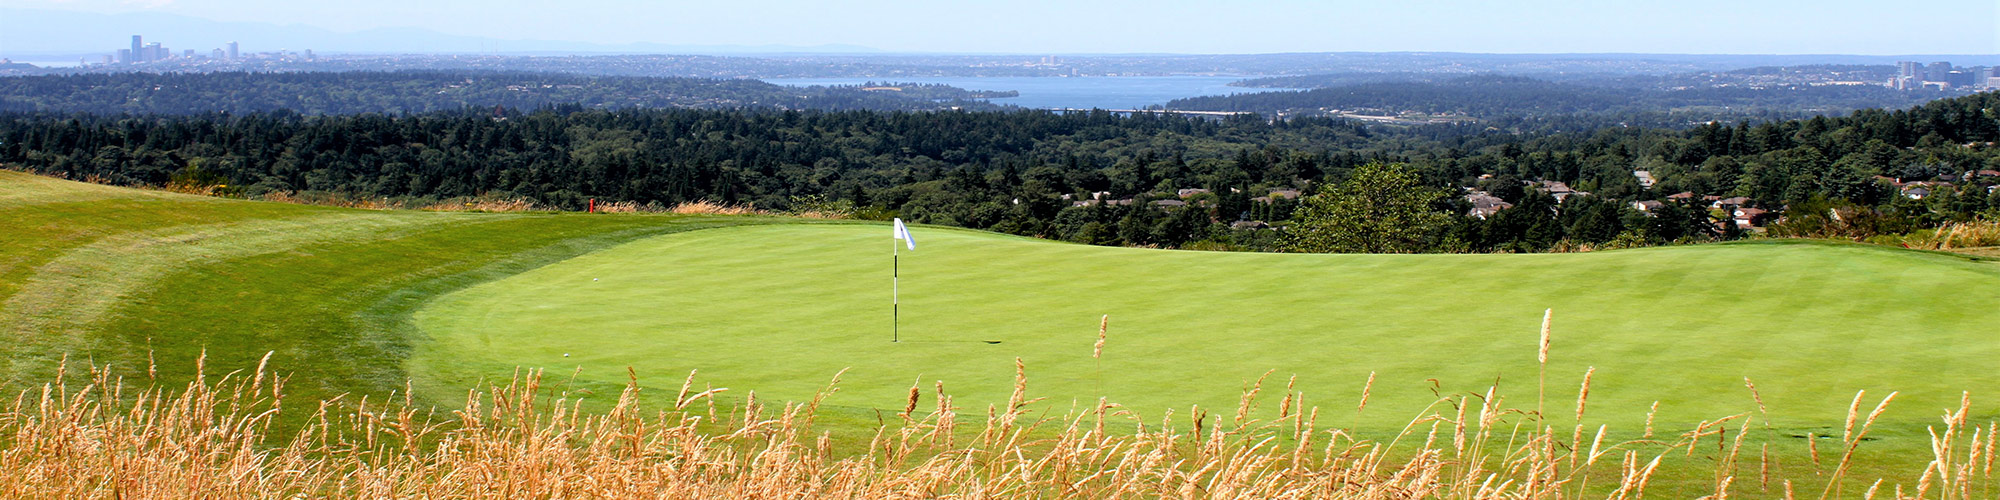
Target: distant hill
point(421, 91)
point(1492, 96)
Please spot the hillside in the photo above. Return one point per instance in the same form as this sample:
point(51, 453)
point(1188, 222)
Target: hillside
point(115, 275)
point(357, 302)
point(1493, 96)
point(400, 92)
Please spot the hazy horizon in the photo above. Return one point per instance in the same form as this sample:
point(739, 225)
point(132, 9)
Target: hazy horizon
point(1697, 27)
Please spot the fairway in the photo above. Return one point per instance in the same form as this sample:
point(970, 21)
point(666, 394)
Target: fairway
point(780, 309)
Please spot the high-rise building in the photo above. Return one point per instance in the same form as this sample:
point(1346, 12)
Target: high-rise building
point(1938, 72)
point(138, 51)
point(233, 54)
point(1908, 69)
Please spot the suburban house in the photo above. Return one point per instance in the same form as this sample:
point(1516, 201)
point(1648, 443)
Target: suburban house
point(1731, 202)
point(1916, 192)
point(1250, 225)
point(1184, 193)
point(1749, 217)
point(1289, 194)
point(1169, 203)
point(1557, 189)
point(1648, 206)
point(1681, 196)
point(1485, 205)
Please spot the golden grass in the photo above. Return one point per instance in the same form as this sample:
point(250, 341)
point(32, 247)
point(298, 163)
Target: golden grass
point(214, 439)
point(705, 207)
point(330, 200)
point(1957, 236)
point(483, 205)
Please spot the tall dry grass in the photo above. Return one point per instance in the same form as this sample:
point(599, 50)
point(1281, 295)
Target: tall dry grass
point(215, 438)
point(705, 207)
point(1957, 236)
point(328, 199)
point(483, 205)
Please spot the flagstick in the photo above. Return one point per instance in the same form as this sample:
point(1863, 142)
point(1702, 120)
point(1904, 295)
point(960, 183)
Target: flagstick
point(895, 291)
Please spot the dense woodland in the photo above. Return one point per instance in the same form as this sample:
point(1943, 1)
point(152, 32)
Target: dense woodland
point(1760, 76)
point(426, 91)
point(1497, 97)
point(1036, 173)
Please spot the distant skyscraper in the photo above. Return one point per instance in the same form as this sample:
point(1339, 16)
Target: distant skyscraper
point(1937, 72)
point(125, 56)
point(1908, 69)
point(232, 51)
point(138, 50)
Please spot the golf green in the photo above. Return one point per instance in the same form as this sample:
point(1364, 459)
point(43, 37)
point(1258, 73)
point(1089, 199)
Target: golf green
point(780, 309)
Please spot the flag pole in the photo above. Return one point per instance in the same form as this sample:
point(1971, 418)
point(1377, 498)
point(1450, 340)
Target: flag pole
point(895, 291)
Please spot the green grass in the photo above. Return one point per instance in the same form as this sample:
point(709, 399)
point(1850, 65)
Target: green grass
point(780, 309)
point(127, 277)
point(359, 302)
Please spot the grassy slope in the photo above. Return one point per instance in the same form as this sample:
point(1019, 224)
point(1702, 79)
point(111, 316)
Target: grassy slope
point(107, 273)
point(111, 274)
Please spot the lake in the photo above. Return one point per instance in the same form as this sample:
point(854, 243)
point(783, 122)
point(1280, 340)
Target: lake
point(1106, 92)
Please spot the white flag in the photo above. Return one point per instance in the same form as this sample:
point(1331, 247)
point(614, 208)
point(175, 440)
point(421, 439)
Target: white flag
point(903, 233)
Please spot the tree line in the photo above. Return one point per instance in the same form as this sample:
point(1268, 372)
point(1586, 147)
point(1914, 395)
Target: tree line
point(402, 92)
point(1498, 97)
point(1097, 177)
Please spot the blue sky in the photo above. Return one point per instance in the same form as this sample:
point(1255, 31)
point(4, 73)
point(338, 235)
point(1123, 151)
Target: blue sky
point(1160, 26)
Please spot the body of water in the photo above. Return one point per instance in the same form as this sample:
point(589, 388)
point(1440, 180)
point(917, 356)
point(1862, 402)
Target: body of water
point(1105, 92)
point(53, 64)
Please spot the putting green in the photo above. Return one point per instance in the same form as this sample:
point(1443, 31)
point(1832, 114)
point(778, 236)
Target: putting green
point(780, 309)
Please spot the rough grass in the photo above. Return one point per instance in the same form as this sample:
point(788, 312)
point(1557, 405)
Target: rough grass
point(215, 438)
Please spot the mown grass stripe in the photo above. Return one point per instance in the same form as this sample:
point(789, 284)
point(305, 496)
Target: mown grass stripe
point(55, 309)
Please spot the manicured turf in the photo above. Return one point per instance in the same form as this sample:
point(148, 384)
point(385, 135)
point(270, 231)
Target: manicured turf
point(780, 309)
point(115, 275)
